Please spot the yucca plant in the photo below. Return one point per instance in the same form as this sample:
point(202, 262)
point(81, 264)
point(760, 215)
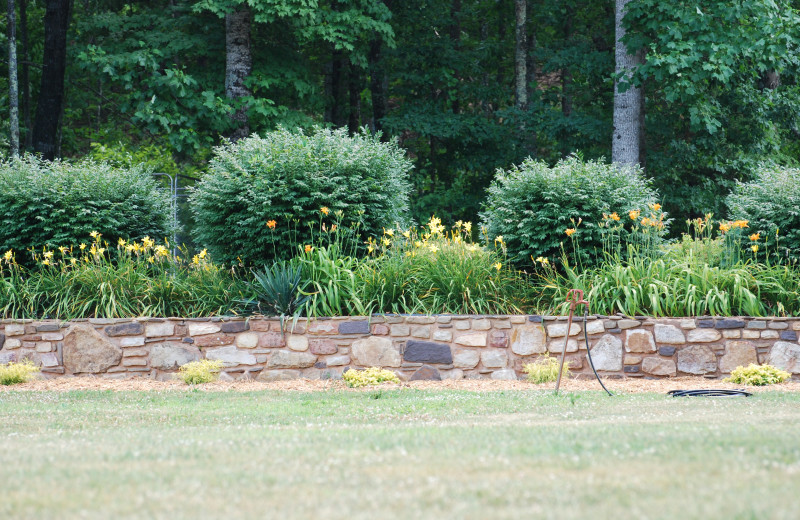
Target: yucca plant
point(277, 290)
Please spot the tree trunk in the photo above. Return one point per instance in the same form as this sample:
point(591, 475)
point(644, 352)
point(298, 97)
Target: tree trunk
point(238, 65)
point(339, 98)
point(25, 78)
point(530, 63)
point(771, 79)
point(378, 85)
point(13, 90)
point(355, 88)
point(520, 54)
point(455, 37)
point(51, 92)
point(628, 105)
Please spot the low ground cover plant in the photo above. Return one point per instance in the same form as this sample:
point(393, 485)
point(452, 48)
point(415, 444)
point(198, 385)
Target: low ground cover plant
point(544, 370)
point(758, 375)
point(372, 376)
point(200, 372)
point(14, 373)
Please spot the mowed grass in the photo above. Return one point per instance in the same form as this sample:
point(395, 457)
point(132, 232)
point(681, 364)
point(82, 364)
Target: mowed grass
point(397, 454)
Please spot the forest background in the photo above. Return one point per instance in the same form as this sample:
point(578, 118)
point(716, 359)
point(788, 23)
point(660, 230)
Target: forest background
point(466, 86)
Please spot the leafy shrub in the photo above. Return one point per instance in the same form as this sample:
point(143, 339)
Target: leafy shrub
point(769, 205)
point(58, 203)
point(199, 372)
point(544, 370)
point(758, 375)
point(13, 373)
point(372, 376)
point(263, 196)
point(334, 287)
point(533, 205)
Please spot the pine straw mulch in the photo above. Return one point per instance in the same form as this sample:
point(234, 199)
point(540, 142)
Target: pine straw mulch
point(627, 385)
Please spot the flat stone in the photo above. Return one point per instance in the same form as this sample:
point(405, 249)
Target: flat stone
point(595, 327)
point(420, 320)
point(323, 327)
point(157, 329)
point(697, 359)
point(354, 327)
point(669, 334)
point(291, 359)
point(260, 325)
point(788, 335)
point(628, 324)
point(666, 351)
point(199, 329)
point(125, 329)
point(732, 334)
point(502, 324)
point(337, 361)
point(757, 324)
point(168, 356)
point(778, 325)
point(639, 341)
point(658, 366)
point(213, 340)
point(426, 373)
point(380, 329)
point(607, 353)
point(15, 329)
point(796, 325)
point(268, 376)
point(751, 334)
point(247, 340)
point(494, 358)
point(86, 351)
point(271, 340)
point(376, 351)
point(630, 369)
point(52, 336)
point(557, 346)
point(688, 324)
point(135, 352)
point(421, 331)
point(400, 329)
point(322, 347)
point(475, 339)
point(48, 327)
point(527, 340)
point(482, 324)
point(43, 346)
point(12, 343)
point(737, 354)
point(559, 330)
point(427, 352)
point(785, 356)
point(233, 327)
point(506, 374)
point(231, 356)
point(498, 339)
point(703, 335)
point(442, 335)
point(729, 323)
point(8, 357)
point(466, 357)
point(444, 319)
point(131, 341)
point(630, 359)
point(48, 360)
point(770, 334)
point(297, 342)
point(134, 362)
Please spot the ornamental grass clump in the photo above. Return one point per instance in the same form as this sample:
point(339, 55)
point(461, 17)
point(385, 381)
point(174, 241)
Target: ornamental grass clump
point(758, 375)
point(372, 376)
point(14, 373)
point(544, 370)
point(200, 372)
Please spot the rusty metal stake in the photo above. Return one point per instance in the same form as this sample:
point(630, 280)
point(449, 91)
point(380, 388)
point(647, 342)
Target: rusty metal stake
point(575, 298)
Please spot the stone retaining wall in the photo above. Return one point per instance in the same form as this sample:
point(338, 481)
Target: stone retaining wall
point(416, 347)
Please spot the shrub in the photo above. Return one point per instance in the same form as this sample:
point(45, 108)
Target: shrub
point(533, 205)
point(769, 205)
point(199, 372)
point(13, 373)
point(369, 377)
point(544, 370)
point(293, 181)
point(758, 375)
point(58, 203)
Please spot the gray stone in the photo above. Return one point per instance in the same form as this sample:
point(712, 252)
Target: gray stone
point(527, 340)
point(705, 324)
point(630, 369)
point(475, 339)
point(595, 327)
point(452, 374)
point(400, 329)
point(607, 353)
point(559, 330)
point(506, 374)
point(628, 324)
point(354, 327)
point(199, 329)
point(466, 357)
point(291, 359)
point(131, 341)
point(788, 335)
point(557, 346)
point(703, 335)
point(48, 327)
point(168, 356)
point(427, 352)
point(7, 357)
point(125, 329)
point(659, 366)
point(12, 343)
point(757, 324)
point(669, 334)
point(231, 356)
point(337, 361)
point(421, 331)
point(426, 373)
point(494, 358)
point(15, 329)
point(442, 335)
point(778, 325)
point(86, 351)
point(639, 341)
point(666, 351)
point(376, 352)
point(232, 327)
point(48, 360)
point(482, 324)
point(268, 376)
point(729, 324)
point(785, 356)
point(737, 354)
point(697, 359)
point(770, 334)
point(535, 318)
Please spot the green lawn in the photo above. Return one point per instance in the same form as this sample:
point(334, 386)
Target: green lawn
point(397, 454)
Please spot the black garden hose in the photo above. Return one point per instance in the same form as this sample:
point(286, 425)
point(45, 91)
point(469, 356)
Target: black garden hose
point(589, 351)
point(709, 393)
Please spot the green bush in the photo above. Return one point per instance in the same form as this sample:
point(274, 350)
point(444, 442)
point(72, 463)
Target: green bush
point(58, 203)
point(297, 182)
point(758, 375)
point(372, 376)
point(14, 373)
point(544, 370)
point(199, 372)
point(769, 203)
point(533, 205)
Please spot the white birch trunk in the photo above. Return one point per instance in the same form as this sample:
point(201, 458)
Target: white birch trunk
point(238, 65)
point(628, 105)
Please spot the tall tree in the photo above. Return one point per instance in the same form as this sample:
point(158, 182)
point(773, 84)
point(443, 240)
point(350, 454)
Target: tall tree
point(47, 126)
point(628, 98)
point(238, 66)
point(520, 54)
point(13, 90)
point(24, 77)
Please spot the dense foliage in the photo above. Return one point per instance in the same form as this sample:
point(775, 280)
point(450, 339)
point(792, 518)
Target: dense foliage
point(60, 204)
point(264, 196)
point(540, 211)
point(758, 375)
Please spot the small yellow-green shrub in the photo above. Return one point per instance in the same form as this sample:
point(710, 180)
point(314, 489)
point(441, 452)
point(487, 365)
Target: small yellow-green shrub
point(544, 370)
point(369, 377)
point(199, 372)
point(13, 373)
point(758, 375)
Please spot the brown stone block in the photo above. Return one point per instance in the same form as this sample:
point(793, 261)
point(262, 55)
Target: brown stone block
point(213, 340)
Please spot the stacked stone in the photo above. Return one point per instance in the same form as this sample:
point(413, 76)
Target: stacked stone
point(416, 347)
